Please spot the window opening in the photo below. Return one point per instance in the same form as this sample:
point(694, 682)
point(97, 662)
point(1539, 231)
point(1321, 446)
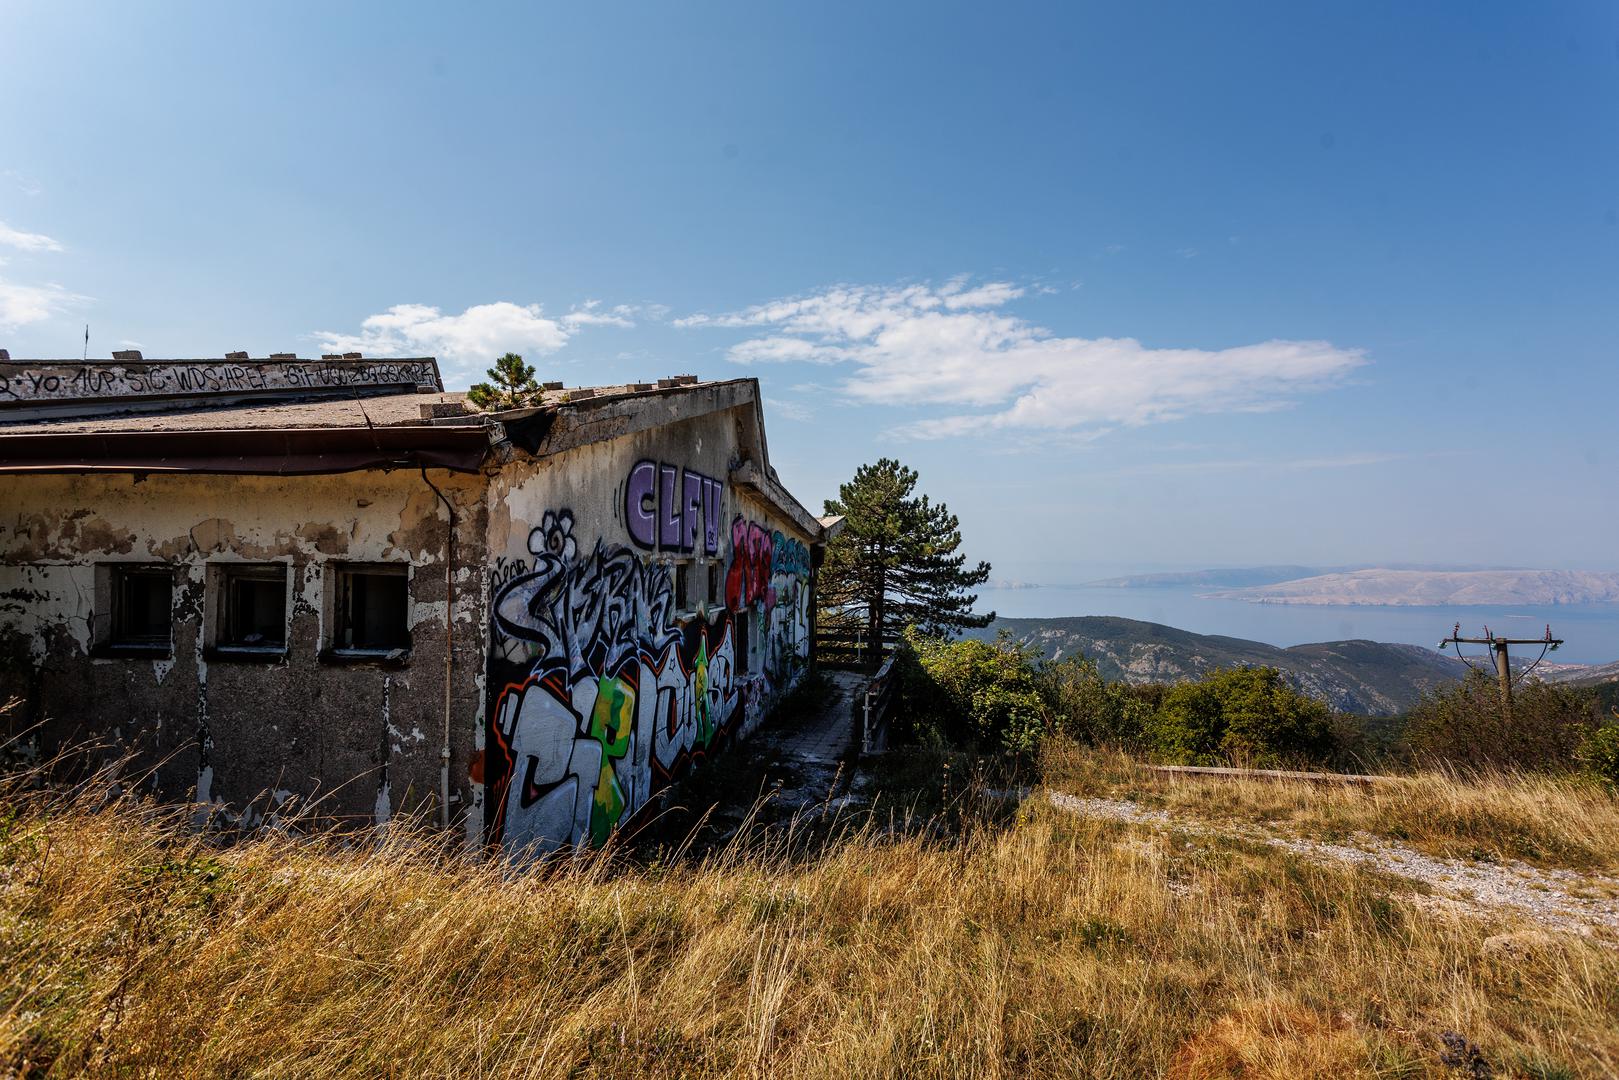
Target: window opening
point(372, 609)
point(253, 612)
point(142, 600)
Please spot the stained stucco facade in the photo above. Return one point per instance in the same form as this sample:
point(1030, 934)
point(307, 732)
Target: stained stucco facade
point(624, 591)
point(248, 731)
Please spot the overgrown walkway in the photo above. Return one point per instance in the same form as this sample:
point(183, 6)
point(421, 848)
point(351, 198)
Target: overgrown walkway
point(808, 761)
point(1559, 899)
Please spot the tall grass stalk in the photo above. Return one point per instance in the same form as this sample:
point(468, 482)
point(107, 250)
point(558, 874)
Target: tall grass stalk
point(131, 945)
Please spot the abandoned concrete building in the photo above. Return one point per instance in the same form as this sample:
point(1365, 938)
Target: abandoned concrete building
point(282, 582)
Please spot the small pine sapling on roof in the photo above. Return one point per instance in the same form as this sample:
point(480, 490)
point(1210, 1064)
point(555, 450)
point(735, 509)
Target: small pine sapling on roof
point(511, 385)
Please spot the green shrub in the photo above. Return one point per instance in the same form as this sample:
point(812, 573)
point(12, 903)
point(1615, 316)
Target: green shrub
point(1466, 725)
point(1599, 753)
point(970, 692)
point(1243, 715)
point(1088, 708)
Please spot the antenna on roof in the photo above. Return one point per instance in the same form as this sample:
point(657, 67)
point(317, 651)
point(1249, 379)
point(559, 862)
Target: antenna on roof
point(86, 355)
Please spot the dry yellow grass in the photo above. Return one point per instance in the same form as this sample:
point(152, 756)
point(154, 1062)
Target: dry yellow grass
point(1053, 946)
point(1554, 821)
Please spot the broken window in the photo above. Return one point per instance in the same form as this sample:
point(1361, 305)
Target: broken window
point(715, 579)
point(371, 608)
point(139, 600)
point(252, 608)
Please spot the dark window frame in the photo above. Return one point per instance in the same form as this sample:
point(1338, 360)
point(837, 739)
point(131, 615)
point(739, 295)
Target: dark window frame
point(118, 638)
point(228, 642)
point(341, 648)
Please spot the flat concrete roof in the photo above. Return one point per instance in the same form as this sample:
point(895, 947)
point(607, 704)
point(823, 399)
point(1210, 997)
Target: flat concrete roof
point(285, 415)
point(378, 410)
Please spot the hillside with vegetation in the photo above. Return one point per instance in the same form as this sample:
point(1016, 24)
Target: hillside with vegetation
point(1367, 677)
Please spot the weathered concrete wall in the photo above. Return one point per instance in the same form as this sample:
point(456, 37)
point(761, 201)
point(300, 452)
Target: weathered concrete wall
point(366, 737)
point(607, 679)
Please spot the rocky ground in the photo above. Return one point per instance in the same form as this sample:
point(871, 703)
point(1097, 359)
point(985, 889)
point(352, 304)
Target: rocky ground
point(1558, 899)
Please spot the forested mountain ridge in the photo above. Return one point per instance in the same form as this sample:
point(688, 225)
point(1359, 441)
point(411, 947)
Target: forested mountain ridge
point(1368, 677)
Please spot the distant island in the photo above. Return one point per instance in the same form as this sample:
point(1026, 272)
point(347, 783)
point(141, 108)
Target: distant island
point(1385, 586)
point(1434, 588)
point(1372, 678)
point(1227, 578)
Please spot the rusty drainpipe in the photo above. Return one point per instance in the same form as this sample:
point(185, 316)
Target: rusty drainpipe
point(449, 655)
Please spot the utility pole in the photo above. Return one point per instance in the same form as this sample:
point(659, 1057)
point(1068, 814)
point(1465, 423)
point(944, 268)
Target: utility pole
point(1500, 645)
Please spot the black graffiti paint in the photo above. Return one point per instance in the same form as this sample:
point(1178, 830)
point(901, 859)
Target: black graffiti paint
point(21, 383)
point(610, 697)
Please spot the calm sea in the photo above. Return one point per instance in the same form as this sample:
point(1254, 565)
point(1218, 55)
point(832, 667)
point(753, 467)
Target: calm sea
point(1590, 630)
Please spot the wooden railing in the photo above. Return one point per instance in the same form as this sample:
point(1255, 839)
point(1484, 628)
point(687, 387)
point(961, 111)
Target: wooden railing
point(875, 710)
point(851, 650)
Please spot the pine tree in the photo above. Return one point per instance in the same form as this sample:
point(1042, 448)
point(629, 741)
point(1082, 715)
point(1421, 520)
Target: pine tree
point(895, 563)
point(512, 384)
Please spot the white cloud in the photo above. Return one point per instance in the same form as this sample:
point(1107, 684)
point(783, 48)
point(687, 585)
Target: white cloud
point(955, 346)
point(770, 349)
point(591, 313)
point(26, 241)
point(470, 341)
point(23, 304)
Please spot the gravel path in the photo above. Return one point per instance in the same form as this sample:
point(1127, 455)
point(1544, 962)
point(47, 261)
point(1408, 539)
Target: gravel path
point(1550, 897)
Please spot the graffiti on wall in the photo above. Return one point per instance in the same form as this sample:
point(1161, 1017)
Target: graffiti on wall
point(666, 507)
point(610, 696)
point(27, 383)
point(607, 692)
point(769, 575)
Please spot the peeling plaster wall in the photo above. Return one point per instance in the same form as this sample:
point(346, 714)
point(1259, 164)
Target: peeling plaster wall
point(606, 681)
point(363, 737)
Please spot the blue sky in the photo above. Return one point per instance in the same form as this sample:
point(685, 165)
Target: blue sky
point(1134, 287)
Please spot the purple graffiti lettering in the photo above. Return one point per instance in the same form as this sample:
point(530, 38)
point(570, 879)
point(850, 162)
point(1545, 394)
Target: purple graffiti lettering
point(668, 508)
point(712, 491)
point(640, 491)
point(692, 484)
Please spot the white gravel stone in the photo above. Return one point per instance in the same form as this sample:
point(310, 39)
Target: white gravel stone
point(1546, 896)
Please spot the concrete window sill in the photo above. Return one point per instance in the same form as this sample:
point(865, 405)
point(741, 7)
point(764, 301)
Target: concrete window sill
point(246, 654)
point(389, 658)
point(112, 650)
